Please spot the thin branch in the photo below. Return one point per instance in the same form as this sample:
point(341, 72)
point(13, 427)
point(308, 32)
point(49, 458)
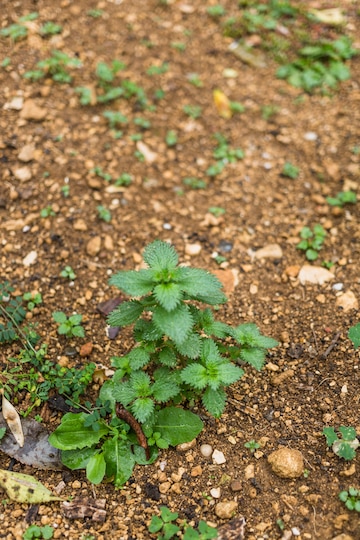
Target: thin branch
point(332, 345)
point(125, 415)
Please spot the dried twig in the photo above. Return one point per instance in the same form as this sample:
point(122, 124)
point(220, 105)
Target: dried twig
point(332, 345)
point(134, 424)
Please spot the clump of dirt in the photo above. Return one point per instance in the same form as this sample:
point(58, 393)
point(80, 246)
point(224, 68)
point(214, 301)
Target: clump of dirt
point(57, 159)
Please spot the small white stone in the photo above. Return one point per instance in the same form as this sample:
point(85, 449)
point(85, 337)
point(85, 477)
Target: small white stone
point(310, 136)
point(271, 251)
point(338, 286)
point(206, 450)
point(215, 493)
point(192, 249)
point(295, 531)
point(218, 457)
point(23, 174)
point(314, 274)
point(167, 226)
point(30, 258)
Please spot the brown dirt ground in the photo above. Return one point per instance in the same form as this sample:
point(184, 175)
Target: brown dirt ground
point(262, 207)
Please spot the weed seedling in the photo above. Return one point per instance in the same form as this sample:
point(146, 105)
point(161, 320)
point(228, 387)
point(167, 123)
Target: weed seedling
point(18, 30)
point(143, 123)
point(104, 213)
point(158, 70)
point(252, 445)
point(342, 198)
point(354, 335)
point(194, 79)
point(34, 531)
point(351, 498)
point(178, 45)
point(194, 111)
point(124, 180)
point(56, 66)
point(167, 529)
point(217, 211)
point(223, 154)
point(312, 241)
point(95, 13)
point(69, 326)
point(6, 62)
point(216, 11)
point(47, 212)
point(115, 118)
point(171, 138)
point(50, 28)
point(268, 111)
point(32, 299)
point(68, 273)
point(194, 183)
point(290, 170)
point(345, 445)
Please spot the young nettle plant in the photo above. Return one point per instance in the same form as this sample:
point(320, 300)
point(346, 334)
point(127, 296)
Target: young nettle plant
point(312, 241)
point(181, 355)
point(351, 498)
point(344, 446)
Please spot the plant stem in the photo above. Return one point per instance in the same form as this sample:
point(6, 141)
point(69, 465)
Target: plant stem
point(125, 415)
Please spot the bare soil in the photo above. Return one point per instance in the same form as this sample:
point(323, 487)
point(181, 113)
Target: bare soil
point(303, 387)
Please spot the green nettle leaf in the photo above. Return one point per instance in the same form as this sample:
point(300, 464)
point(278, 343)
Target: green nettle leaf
point(177, 425)
point(124, 393)
point(214, 401)
point(168, 295)
point(167, 357)
point(195, 375)
point(210, 351)
point(229, 373)
point(191, 347)
point(176, 323)
point(348, 433)
point(140, 382)
point(354, 335)
point(138, 358)
point(119, 459)
point(59, 317)
point(75, 319)
point(164, 389)
point(73, 434)
point(146, 331)
point(95, 468)
point(126, 313)
point(78, 331)
point(200, 285)
point(253, 356)
point(132, 282)
point(143, 408)
point(160, 255)
point(346, 451)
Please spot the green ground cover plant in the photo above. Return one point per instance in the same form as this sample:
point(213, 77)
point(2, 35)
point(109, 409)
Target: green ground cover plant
point(351, 498)
point(290, 170)
point(342, 198)
point(35, 531)
point(344, 445)
point(18, 31)
point(56, 66)
point(182, 357)
point(312, 241)
point(223, 155)
point(164, 526)
point(68, 273)
point(69, 326)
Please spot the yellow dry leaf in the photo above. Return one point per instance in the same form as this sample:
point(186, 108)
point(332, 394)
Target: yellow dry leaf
point(12, 419)
point(24, 488)
point(222, 104)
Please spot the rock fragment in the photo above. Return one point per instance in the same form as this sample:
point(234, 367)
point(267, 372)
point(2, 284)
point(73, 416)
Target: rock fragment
point(226, 509)
point(27, 153)
point(93, 246)
point(23, 174)
point(347, 301)
point(31, 111)
point(271, 251)
point(287, 463)
point(314, 274)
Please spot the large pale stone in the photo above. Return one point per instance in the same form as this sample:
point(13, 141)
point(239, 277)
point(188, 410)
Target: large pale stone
point(287, 463)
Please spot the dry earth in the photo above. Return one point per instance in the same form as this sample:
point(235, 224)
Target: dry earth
point(49, 140)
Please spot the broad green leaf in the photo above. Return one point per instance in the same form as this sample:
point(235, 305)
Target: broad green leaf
point(175, 324)
point(75, 319)
point(330, 435)
point(59, 317)
point(72, 434)
point(119, 460)
point(23, 488)
point(160, 255)
point(163, 390)
point(156, 524)
point(348, 433)
point(142, 408)
point(195, 375)
point(78, 331)
point(167, 357)
point(76, 459)
point(214, 401)
point(95, 468)
point(138, 357)
point(132, 282)
point(177, 425)
point(191, 347)
point(126, 313)
point(346, 451)
point(210, 350)
point(146, 331)
point(354, 335)
point(229, 373)
point(124, 393)
point(200, 285)
point(253, 356)
point(168, 295)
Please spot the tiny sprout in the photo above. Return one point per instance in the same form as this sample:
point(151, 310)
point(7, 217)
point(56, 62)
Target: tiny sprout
point(68, 272)
point(252, 445)
point(104, 213)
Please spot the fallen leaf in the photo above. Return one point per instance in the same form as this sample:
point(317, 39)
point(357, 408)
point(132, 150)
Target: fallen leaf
point(12, 419)
point(332, 16)
point(37, 451)
point(222, 104)
point(85, 507)
point(24, 488)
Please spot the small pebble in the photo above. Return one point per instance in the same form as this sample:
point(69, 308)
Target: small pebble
point(215, 493)
point(226, 510)
point(184, 447)
point(310, 136)
point(192, 249)
point(338, 286)
point(218, 457)
point(295, 531)
point(206, 450)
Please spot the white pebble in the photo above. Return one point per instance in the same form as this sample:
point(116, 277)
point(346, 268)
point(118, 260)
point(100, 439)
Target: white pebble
point(162, 465)
point(338, 286)
point(218, 457)
point(167, 226)
point(30, 258)
point(215, 493)
point(310, 136)
point(295, 531)
point(206, 450)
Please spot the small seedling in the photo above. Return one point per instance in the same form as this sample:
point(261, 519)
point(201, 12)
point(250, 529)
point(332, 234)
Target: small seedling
point(223, 154)
point(99, 172)
point(345, 445)
point(178, 45)
point(167, 530)
point(252, 445)
point(50, 28)
point(158, 70)
point(104, 213)
point(171, 138)
point(143, 123)
point(351, 499)
point(342, 198)
point(268, 111)
point(354, 335)
point(68, 273)
point(95, 13)
point(6, 62)
point(290, 170)
point(216, 11)
point(32, 299)
point(124, 180)
point(47, 212)
point(194, 79)
point(312, 241)
point(115, 118)
point(69, 326)
point(237, 107)
point(34, 531)
point(217, 211)
point(194, 111)
point(65, 190)
point(56, 66)
point(18, 30)
point(195, 183)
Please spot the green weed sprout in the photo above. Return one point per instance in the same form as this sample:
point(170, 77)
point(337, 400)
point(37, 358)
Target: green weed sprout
point(69, 326)
point(342, 198)
point(103, 213)
point(252, 445)
point(171, 138)
point(34, 531)
point(351, 498)
point(164, 525)
point(345, 445)
point(68, 272)
point(354, 335)
point(290, 170)
point(312, 241)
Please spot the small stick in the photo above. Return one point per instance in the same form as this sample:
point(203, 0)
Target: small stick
point(326, 353)
point(125, 415)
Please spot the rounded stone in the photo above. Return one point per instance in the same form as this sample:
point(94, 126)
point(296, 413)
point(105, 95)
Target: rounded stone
point(287, 463)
